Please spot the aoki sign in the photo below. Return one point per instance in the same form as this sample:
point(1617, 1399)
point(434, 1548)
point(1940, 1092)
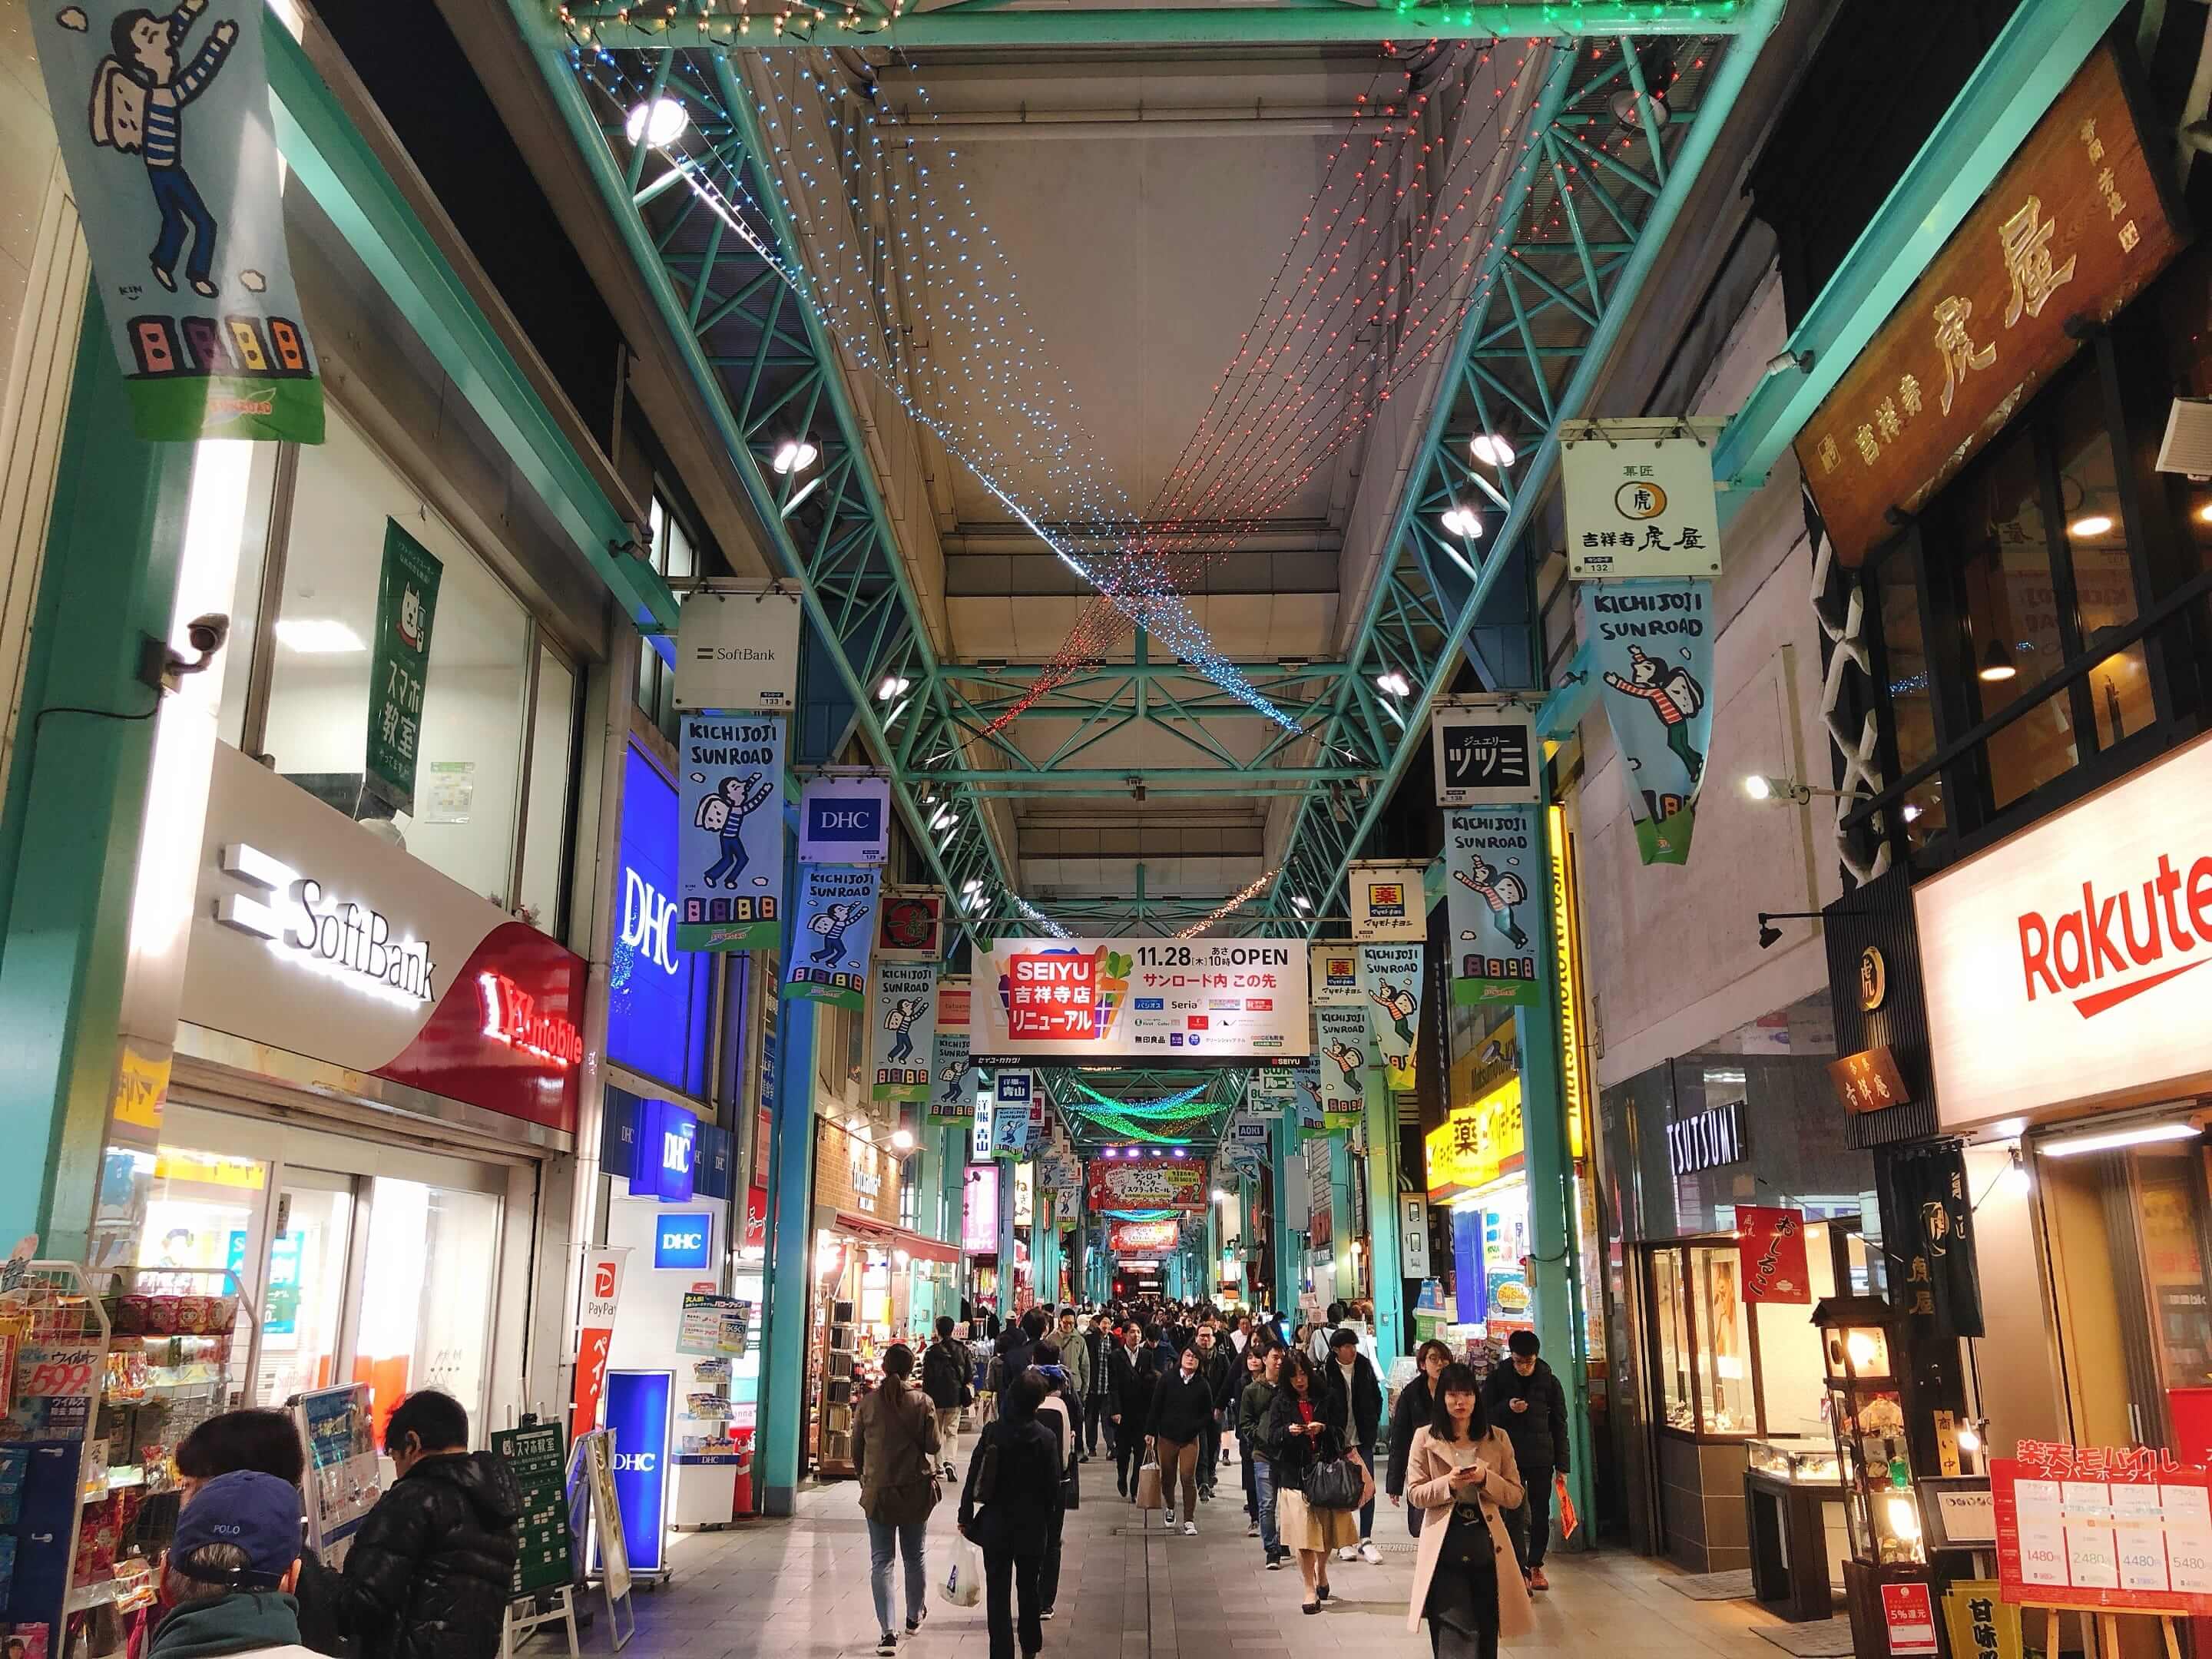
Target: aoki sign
point(2057, 963)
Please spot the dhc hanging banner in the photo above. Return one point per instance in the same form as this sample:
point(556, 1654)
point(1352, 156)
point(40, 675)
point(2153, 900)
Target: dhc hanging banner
point(730, 837)
point(905, 1029)
point(1491, 858)
point(1652, 646)
point(1390, 978)
point(829, 942)
point(165, 128)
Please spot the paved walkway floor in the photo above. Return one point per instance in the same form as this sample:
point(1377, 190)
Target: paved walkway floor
point(799, 1589)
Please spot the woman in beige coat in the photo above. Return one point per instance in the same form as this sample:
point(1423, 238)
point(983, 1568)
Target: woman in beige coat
point(1460, 1473)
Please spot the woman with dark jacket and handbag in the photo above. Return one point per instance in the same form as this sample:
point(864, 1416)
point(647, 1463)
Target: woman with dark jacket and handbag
point(895, 1447)
point(1007, 1508)
point(1305, 1427)
point(1416, 1404)
point(1183, 1409)
point(428, 1573)
point(1460, 1471)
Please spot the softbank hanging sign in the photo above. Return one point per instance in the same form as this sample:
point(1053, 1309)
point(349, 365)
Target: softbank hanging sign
point(2061, 966)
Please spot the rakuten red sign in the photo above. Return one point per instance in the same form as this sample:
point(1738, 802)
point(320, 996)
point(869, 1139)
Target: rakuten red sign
point(2057, 963)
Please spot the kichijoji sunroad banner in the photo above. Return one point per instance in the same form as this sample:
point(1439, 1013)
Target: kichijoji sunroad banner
point(1341, 1037)
point(730, 837)
point(1652, 648)
point(835, 926)
point(1390, 975)
point(905, 1029)
point(1491, 859)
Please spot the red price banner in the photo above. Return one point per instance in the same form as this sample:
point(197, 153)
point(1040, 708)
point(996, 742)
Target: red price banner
point(63, 1370)
point(2114, 1527)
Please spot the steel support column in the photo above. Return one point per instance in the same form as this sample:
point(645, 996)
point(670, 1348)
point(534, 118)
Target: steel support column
point(1382, 1263)
point(789, 1270)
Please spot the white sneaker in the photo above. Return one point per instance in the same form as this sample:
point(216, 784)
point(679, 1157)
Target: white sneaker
point(887, 1643)
point(1190, 1529)
point(1369, 1554)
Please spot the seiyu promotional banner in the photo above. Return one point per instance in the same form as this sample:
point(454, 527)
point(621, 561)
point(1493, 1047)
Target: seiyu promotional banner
point(738, 650)
point(1387, 902)
point(1486, 751)
point(955, 1079)
point(1335, 977)
point(730, 839)
point(845, 820)
point(1340, 1041)
point(829, 945)
point(165, 133)
point(1492, 858)
point(905, 1029)
point(1651, 644)
point(1390, 979)
point(1640, 498)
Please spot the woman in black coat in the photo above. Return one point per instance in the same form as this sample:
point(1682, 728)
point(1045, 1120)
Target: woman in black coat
point(1417, 1403)
point(1008, 1508)
point(1305, 1426)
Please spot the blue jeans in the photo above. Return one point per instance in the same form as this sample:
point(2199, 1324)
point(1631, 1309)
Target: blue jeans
point(1263, 1488)
point(1367, 1509)
point(726, 868)
point(882, 1535)
point(179, 198)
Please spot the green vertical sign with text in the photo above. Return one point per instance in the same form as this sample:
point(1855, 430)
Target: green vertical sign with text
point(406, 607)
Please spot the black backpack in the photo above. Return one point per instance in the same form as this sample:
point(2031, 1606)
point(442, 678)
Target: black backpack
point(940, 1375)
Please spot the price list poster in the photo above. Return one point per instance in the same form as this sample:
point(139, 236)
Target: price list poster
point(2106, 1528)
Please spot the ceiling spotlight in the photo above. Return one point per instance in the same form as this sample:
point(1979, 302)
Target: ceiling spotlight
point(1763, 788)
point(902, 1140)
point(1463, 522)
point(1768, 933)
point(1395, 684)
point(659, 123)
point(1301, 902)
point(2091, 523)
point(1997, 665)
point(894, 686)
point(2204, 514)
point(1630, 108)
point(1492, 449)
point(794, 455)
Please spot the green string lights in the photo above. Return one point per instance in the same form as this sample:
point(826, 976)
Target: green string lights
point(1165, 1106)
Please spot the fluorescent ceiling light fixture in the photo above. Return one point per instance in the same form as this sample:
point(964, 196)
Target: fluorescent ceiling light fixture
point(2091, 523)
point(1463, 521)
point(2111, 1140)
point(893, 686)
point(1395, 684)
point(659, 123)
point(1492, 449)
point(318, 636)
point(794, 455)
point(970, 887)
point(1301, 901)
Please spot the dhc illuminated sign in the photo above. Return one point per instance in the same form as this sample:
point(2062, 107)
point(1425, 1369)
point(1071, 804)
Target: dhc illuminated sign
point(638, 1404)
point(681, 1238)
point(658, 1001)
point(667, 1142)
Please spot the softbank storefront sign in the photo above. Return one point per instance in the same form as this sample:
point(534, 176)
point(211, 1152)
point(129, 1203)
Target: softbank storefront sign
point(2061, 966)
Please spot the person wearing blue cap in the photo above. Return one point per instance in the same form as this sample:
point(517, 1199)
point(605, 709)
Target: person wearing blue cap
point(230, 1572)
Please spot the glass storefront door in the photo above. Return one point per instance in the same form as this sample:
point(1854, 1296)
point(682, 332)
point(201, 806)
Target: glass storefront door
point(303, 1296)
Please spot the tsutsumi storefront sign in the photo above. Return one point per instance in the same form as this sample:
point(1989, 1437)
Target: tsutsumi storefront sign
point(2061, 966)
point(314, 936)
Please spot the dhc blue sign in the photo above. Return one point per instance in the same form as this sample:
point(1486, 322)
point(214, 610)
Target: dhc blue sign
point(667, 1149)
point(855, 821)
point(637, 1412)
point(658, 1003)
point(680, 1238)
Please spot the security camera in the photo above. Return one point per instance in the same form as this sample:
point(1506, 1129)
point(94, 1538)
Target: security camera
point(162, 667)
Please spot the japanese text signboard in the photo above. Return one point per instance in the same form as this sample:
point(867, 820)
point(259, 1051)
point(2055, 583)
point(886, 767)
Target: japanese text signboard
point(1148, 1183)
point(1640, 498)
point(1388, 902)
point(1486, 751)
point(2121, 1529)
point(2073, 228)
point(1770, 1243)
point(399, 671)
point(1196, 1001)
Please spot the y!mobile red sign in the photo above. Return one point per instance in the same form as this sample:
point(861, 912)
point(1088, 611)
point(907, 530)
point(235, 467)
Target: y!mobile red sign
point(2056, 962)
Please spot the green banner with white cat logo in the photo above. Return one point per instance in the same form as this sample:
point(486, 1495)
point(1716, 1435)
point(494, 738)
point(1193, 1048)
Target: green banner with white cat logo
point(399, 666)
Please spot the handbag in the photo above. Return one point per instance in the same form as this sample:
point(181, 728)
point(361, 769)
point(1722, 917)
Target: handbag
point(1071, 1488)
point(1334, 1483)
point(1148, 1486)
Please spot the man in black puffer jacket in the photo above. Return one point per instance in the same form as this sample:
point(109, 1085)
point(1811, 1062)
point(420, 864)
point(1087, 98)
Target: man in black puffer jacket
point(429, 1572)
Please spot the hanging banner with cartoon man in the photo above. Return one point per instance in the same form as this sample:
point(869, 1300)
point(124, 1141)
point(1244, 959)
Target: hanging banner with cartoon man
point(1652, 646)
point(730, 838)
point(1310, 1121)
point(904, 1029)
point(1492, 856)
point(1390, 979)
point(165, 129)
point(829, 942)
point(1341, 1044)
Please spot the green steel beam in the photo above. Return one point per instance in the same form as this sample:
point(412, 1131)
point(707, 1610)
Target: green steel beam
point(2037, 52)
point(704, 22)
point(328, 154)
point(1540, 291)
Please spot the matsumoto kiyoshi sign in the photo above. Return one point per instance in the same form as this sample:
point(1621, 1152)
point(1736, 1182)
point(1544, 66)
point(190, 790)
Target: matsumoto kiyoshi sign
point(1152, 999)
point(2060, 964)
point(1652, 643)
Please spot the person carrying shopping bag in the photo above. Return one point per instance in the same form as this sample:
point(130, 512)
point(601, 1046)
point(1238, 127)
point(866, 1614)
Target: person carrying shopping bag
point(894, 1453)
point(1183, 1407)
point(1460, 1472)
point(1305, 1432)
point(1007, 1509)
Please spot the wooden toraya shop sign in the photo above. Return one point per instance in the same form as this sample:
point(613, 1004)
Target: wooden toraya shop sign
point(2074, 226)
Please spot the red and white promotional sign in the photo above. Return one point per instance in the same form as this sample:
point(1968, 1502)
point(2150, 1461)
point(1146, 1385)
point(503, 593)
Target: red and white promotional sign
point(1160, 1001)
point(1143, 1235)
point(1771, 1243)
point(1148, 1183)
point(2119, 1528)
point(1909, 1613)
point(595, 1331)
point(2060, 963)
point(313, 936)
